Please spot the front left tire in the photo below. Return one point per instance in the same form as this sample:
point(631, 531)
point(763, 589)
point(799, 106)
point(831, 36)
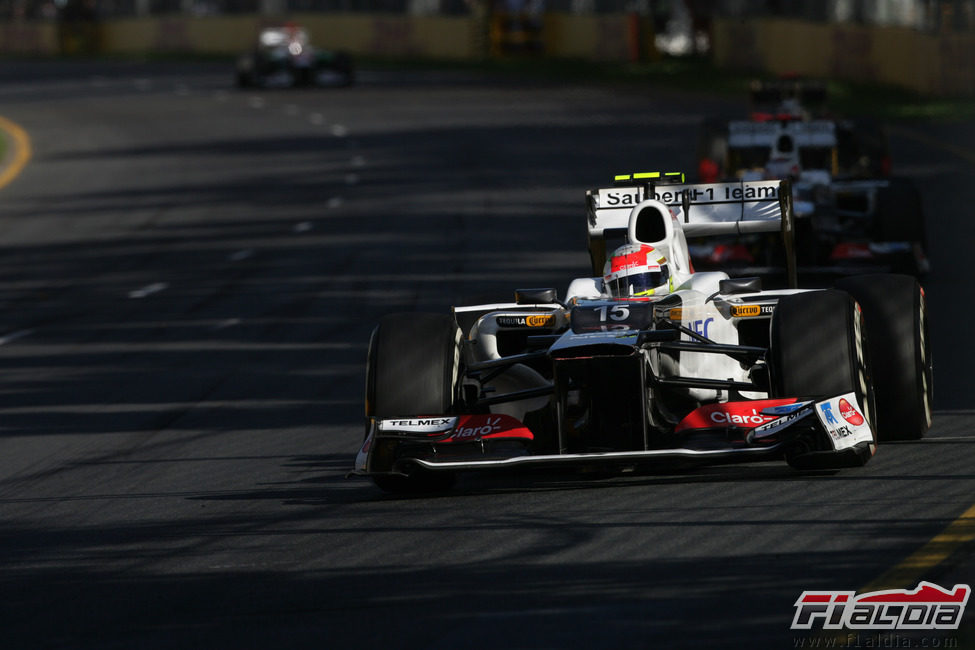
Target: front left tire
point(413, 369)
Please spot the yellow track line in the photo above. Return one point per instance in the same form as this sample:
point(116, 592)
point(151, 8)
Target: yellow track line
point(22, 151)
point(913, 568)
point(961, 531)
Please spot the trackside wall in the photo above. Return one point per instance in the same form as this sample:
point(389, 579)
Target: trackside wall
point(929, 63)
point(606, 37)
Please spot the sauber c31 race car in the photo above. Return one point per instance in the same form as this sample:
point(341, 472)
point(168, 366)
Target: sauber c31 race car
point(705, 368)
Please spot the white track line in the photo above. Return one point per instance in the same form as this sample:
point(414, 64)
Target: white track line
point(230, 322)
point(13, 336)
point(148, 290)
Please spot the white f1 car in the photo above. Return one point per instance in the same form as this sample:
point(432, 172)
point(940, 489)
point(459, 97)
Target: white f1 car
point(283, 57)
point(710, 369)
point(851, 219)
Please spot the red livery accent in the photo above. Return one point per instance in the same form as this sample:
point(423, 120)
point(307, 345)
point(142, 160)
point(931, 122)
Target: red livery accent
point(708, 171)
point(759, 116)
point(851, 251)
point(730, 253)
point(637, 259)
point(745, 415)
point(816, 598)
point(471, 428)
point(925, 593)
point(850, 414)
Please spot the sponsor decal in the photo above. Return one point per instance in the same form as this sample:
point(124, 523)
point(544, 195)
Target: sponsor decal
point(850, 414)
point(675, 196)
point(774, 426)
point(469, 429)
point(744, 311)
point(620, 197)
point(827, 409)
point(473, 428)
point(927, 607)
point(844, 432)
point(464, 428)
point(419, 425)
point(532, 320)
point(746, 415)
point(841, 418)
point(540, 320)
point(511, 321)
point(749, 311)
point(701, 326)
point(751, 193)
point(628, 197)
point(752, 418)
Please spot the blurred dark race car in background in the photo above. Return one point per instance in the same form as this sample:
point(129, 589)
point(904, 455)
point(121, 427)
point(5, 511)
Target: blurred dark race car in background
point(852, 216)
point(284, 57)
point(861, 144)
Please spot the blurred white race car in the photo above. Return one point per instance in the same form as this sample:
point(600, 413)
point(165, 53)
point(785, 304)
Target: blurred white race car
point(283, 57)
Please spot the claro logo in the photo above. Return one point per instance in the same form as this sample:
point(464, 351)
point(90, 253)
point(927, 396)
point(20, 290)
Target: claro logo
point(752, 418)
point(849, 413)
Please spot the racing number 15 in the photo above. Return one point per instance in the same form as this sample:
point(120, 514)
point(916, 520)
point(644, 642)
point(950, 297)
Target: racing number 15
point(615, 313)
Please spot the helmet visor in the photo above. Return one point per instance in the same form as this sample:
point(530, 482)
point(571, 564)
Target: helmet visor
point(638, 284)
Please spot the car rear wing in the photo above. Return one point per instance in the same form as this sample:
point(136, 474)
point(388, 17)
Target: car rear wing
point(815, 133)
point(702, 210)
point(764, 93)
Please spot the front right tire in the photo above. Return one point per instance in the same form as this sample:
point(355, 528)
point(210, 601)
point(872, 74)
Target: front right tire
point(818, 350)
point(895, 317)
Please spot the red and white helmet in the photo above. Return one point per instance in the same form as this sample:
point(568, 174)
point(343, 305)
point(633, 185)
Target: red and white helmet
point(637, 270)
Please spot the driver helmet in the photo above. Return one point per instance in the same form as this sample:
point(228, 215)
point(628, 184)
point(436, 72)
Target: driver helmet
point(637, 270)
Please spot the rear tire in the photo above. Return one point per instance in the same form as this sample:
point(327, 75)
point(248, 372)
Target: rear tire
point(895, 318)
point(817, 350)
point(413, 369)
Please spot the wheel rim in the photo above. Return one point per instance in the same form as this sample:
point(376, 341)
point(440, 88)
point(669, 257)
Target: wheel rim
point(863, 381)
point(926, 371)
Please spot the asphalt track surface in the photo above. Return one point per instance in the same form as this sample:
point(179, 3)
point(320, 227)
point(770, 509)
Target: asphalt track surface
point(189, 275)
